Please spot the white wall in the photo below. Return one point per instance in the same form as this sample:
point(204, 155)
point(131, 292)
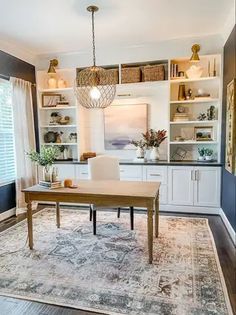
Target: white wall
point(113, 55)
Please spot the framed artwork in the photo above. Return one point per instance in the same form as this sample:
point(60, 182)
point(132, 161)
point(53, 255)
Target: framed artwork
point(203, 133)
point(123, 123)
point(230, 146)
point(50, 99)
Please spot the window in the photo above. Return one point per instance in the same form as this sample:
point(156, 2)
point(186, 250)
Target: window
point(7, 149)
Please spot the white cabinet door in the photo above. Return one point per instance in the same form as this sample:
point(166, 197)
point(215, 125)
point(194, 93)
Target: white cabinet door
point(180, 185)
point(131, 172)
point(81, 171)
point(207, 186)
point(66, 171)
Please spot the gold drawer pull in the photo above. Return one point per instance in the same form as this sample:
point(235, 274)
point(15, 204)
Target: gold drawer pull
point(84, 173)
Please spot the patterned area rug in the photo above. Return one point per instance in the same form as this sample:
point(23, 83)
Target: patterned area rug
point(110, 272)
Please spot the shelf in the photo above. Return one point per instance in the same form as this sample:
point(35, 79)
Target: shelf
point(63, 143)
point(57, 108)
point(193, 122)
point(193, 142)
point(194, 80)
point(58, 126)
point(56, 90)
point(198, 100)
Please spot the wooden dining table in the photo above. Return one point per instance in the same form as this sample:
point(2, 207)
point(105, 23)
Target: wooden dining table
point(106, 193)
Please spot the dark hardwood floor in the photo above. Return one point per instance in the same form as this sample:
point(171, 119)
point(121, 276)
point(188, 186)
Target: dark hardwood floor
point(225, 248)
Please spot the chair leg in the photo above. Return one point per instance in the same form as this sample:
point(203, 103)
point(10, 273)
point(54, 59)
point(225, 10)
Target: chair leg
point(131, 218)
point(118, 212)
point(90, 213)
point(94, 221)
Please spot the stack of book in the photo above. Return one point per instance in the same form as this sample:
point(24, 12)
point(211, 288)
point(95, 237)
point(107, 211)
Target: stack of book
point(180, 117)
point(174, 70)
point(50, 185)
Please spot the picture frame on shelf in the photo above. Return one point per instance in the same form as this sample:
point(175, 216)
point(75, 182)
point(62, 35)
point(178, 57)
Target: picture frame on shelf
point(203, 133)
point(50, 99)
point(230, 147)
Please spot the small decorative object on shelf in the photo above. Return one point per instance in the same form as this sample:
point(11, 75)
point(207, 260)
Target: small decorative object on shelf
point(61, 84)
point(179, 154)
point(181, 94)
point(181, 115)
point(50, 137)
point(189, 95)
point(73, 137)
point(152, 140)
point(181, 74)
point(50, 99)
point(140, 145)
point(52, 83)
point(201, 152)
point(45, 158)
point(62, 102)
point(194, 72)
point(211, 113)
point(202, 117)
point(87, 155)
point(214, 68)
point(208, 154)
point(202, 94)
point(59, 137)
point(64, 120)
point(55, 118)
point(203, 133)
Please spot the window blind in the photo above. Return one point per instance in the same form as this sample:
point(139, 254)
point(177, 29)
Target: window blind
point(7, 148)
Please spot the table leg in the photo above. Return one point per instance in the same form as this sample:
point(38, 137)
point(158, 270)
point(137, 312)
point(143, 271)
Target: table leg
point(30, 224)
point(150, 232)
point(58, 214)
point(157, 216)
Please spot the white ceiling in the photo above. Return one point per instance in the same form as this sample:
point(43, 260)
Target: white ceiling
point(53, 26)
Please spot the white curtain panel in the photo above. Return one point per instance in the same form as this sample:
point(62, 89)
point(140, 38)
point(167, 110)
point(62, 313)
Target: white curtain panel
point(24, 138)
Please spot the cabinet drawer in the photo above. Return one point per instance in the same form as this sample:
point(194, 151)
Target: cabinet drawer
point(156, 174)
point(82, 172)
point(131, 172)
point(66, 171)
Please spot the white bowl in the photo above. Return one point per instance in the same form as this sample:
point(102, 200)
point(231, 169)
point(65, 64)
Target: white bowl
point(194, 72)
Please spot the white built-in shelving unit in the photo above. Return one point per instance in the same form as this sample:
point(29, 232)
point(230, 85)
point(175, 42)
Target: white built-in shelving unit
point(79, 116)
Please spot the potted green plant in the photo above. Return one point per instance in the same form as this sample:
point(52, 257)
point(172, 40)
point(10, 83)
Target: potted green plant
point(45, 158)
point(140, 145)
point(201, 152)
point(208, 154)
point(152, 140)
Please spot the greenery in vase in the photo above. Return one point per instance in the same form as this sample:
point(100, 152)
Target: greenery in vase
point(45, 157)
point(208, 152)
point(201, 151)
point(138, 144)
point(154, 138)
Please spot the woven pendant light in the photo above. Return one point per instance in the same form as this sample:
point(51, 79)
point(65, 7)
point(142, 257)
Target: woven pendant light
point(95, 86)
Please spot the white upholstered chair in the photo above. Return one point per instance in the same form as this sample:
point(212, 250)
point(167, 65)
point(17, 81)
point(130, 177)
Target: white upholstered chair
point(105, 168)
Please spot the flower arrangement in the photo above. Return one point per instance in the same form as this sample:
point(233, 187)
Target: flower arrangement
point(201, 151)
point(46, 157)
point(139, 143)
point(205, 154)
point(154, 138)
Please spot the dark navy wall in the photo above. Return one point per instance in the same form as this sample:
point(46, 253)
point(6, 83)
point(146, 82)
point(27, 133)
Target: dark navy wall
point(228, 180)
point(12, 66)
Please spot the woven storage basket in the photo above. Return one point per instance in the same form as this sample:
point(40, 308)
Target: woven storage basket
point(130, 75)
point(153, 73)
point(113, 77)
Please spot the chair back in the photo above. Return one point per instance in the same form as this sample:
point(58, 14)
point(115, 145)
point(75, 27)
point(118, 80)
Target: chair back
point(104, 167)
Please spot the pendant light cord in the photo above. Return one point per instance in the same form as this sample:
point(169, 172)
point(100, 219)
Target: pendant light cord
point(93, 34)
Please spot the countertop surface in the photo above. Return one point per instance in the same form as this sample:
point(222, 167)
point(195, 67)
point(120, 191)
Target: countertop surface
point(150, 162)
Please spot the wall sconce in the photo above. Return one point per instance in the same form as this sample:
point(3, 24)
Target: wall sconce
point(195, 50)
point(52, 65)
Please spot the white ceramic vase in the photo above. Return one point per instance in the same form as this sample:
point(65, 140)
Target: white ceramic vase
point(154, 155)
point(139, 153)
point(52, 83)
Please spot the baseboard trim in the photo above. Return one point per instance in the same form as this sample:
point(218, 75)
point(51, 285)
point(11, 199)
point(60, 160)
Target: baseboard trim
point(228, 226)
point(189, 209)
point(7, 214)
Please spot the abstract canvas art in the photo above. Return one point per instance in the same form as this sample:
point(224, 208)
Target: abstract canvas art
point(230, 147)
point(124, 123)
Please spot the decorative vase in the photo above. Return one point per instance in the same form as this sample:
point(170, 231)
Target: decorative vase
point(47, 174)
point(208, 157)
point(139, 153)
point(154, 155)
point(201, 158)
point(61, 84)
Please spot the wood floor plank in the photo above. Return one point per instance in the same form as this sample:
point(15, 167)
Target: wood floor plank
point(225, 248)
